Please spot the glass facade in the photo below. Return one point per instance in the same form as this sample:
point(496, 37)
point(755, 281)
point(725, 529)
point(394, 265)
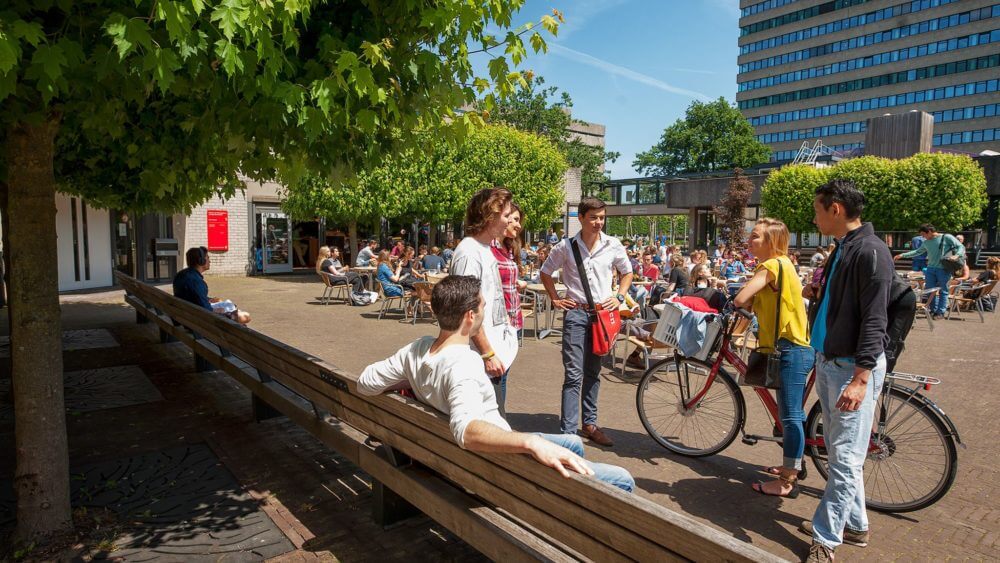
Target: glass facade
point(846, 23)
point(911, 75)
point(790, 154)
point(926, 26)
point(920, 96)
point(960, 137)
point(917, 51)
point(798, 15)
point(763, 7)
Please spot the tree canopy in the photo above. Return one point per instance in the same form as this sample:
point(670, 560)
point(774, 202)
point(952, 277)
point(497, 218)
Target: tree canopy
point(946, 190)
point(712, 136)
point(436, 184)
point(159, 104)
point(545, 111)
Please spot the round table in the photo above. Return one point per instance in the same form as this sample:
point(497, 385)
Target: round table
point(368, 272)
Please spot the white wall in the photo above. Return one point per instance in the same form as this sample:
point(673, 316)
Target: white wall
point(236, 260)
point(96, 246)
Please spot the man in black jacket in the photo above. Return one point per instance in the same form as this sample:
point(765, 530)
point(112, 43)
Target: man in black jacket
point(849, 335)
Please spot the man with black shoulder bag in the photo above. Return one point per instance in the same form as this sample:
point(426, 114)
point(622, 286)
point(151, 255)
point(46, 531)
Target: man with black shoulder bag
point(945, 257)
point(589, 298)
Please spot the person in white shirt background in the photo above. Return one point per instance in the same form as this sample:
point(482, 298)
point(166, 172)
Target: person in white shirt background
point(486, 219)
point(582, 368)
point(445, 373)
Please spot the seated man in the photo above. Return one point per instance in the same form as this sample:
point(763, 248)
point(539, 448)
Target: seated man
point(189, 285)
point(433, 261)
point(366, 257)
point(447, 374)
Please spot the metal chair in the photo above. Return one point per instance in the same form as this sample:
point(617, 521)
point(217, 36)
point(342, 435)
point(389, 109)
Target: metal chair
point(387, 300)
point(924, 299)
point(974, 296)
point(341, 289)
point(422, 300)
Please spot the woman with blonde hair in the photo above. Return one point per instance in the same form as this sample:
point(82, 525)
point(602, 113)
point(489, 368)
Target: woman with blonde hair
point(773, 288)
point(328, 264)
point(386, 276)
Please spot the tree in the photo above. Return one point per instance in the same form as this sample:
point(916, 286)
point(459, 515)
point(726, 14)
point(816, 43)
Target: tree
point(787, 195)
point(712, 136)
point(531, 109)
point(946, 190)
point(731, 211)
point(435, 184)
point(157, 104)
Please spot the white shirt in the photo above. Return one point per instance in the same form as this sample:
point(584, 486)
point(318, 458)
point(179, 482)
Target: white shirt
point(365, 257)
point(452, 380)
point(608, 255)
point(472, 258)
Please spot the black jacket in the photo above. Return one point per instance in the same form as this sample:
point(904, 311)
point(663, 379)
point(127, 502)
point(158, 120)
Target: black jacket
point(856, 315)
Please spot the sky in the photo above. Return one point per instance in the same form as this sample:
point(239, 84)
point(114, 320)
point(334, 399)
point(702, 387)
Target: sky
point(635, 65)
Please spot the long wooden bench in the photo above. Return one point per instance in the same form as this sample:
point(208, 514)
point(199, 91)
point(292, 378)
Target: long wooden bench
point(507, 506)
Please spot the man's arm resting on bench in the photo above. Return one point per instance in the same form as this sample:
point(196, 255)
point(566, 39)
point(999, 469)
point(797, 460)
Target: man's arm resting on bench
point(481, 436)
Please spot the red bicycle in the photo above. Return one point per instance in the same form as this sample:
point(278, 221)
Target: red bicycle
point(695, 408)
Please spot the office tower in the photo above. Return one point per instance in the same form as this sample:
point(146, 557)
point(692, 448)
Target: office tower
point(818, 69)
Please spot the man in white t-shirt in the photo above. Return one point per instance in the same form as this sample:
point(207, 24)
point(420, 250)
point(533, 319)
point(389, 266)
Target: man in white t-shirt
point(486, 219)
point(446, 374)
point(366, 257)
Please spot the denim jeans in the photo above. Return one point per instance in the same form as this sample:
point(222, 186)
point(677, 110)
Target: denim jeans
point(796, 361)
point(582, 371)
point(640, 294)
point(610, 474)
point(846, 435)
point(937, 277)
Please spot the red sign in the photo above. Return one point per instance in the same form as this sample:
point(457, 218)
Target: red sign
point(218, 229)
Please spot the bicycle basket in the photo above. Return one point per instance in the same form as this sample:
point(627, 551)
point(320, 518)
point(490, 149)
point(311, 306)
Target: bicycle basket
point(667, 328)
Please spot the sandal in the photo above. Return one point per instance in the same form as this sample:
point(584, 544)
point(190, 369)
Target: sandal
point(792, 494)
point(776, 471)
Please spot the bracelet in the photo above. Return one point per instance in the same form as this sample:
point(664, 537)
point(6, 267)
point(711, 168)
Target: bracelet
point(487, 355)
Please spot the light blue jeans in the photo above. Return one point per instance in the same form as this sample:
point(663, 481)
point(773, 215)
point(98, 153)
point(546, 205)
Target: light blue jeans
point(610, 474)
point(846, 435)
point(937, 277)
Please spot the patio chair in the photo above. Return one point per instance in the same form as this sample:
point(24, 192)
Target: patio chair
point(340, 288)
point(421, 300)
point(650, 350)
point(973, 297)
point(924, 299)
point(388, 300)
point(527, 312)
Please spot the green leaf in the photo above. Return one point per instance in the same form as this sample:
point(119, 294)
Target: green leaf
point(30, 32)
point(551, 25)
point(9, 52)
point(8, 84)
point(51, 59)
point(367, 120)
point(230, 55)
point(230, 17)
point(538, 44)
point(363, 80)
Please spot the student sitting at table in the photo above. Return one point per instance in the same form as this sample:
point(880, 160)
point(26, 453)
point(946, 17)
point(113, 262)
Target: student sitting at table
point(329, 264)
point(408, 269)
point(703, 285)
point(386, 276)
point(731, 267)
point(433, 261)
point(641, 291)
point(677, 281)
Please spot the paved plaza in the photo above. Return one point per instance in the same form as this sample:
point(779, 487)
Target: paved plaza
point(319, 500)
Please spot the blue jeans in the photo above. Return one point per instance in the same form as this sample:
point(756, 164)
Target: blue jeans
point(937, 277)
point(846, 435)
point(582, 370)
point(796, 361)
point(610, 474)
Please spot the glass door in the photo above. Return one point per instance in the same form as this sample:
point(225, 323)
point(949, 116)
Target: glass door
point(274, 233)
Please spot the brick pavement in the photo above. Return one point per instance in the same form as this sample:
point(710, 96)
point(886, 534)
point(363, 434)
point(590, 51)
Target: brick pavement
point(715, 490)
point(320, 501)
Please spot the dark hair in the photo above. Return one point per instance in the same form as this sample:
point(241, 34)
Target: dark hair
point(589, 204)
point(452, 298)
point(843, 192)
point(927, 228)
point(484, 207)
point(513, 245)
point(196, 256)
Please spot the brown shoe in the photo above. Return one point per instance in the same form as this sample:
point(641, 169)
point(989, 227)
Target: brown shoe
point(593, 433)
point(851, 537)
point(819, 553)
point(634, 361)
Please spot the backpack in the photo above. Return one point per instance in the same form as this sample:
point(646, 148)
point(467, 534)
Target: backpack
point(363, 297)
point(901, 310)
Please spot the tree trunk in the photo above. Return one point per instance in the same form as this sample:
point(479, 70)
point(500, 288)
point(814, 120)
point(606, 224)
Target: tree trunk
point(431, 234)
point(352, 235)
point(41, 478)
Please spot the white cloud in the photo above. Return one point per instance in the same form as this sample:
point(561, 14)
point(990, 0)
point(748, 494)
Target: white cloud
point(618, 70)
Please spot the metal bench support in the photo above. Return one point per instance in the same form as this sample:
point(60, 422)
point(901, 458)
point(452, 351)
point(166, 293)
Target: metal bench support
point(390, 510)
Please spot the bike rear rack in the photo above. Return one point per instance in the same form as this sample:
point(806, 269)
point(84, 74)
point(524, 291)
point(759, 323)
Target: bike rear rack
point(921, 380)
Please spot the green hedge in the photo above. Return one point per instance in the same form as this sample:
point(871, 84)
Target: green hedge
point(946, 190)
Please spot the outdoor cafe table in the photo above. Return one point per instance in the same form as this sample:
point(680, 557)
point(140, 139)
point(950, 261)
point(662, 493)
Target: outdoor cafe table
point(368, 272)
point(542, 303)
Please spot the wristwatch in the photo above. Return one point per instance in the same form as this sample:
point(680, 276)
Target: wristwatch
point(620, 297)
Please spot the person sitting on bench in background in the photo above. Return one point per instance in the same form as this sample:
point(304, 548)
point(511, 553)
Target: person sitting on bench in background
point(445, 373)
point(189, 285)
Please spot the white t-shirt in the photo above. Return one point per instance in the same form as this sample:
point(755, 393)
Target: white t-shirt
point(472, 258)
point(453, 381)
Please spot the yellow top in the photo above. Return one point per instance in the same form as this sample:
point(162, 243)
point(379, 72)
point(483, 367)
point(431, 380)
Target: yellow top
point(794, 325)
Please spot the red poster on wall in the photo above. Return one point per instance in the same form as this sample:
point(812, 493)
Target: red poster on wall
point(218, 229)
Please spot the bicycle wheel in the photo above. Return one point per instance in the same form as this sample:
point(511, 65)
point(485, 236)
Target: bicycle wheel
point(912, 460)
point(706, 428)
